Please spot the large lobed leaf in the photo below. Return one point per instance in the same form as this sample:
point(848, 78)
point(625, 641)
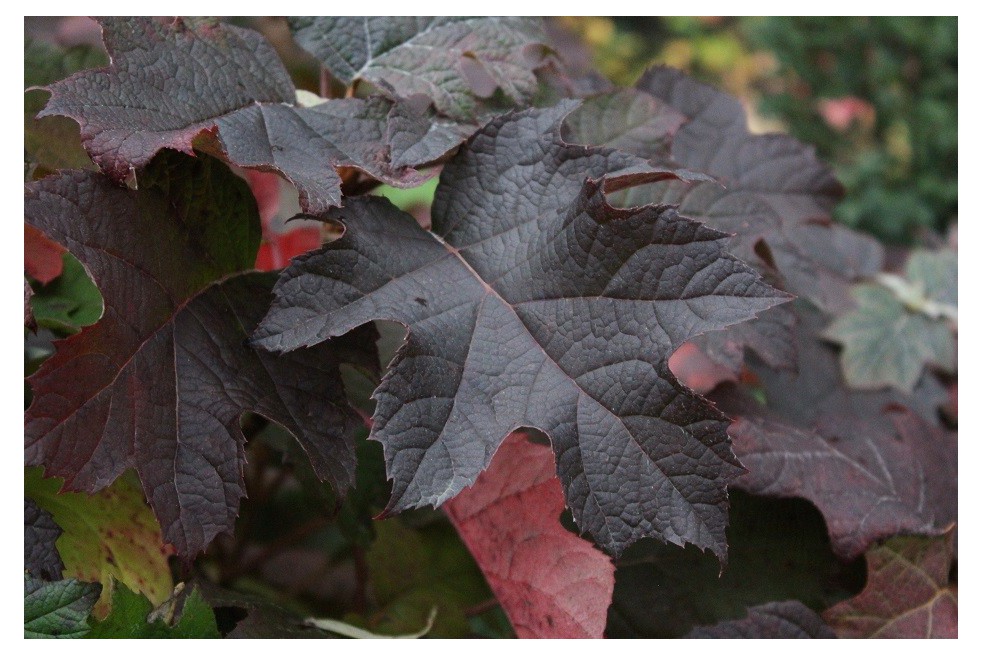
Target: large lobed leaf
point(534, 303)
point(160, 382)
point(874, 463)
point(173, 84)
point(551, 583)
point(453, 61)
point(770, 192)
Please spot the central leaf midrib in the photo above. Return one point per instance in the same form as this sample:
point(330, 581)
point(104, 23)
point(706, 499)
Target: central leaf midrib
point(492, 291)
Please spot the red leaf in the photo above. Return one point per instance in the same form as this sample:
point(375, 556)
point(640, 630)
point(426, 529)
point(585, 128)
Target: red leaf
point(42, 257)
point(551, 583)
point(277, 248)
point(266, 188)
point(697, 371)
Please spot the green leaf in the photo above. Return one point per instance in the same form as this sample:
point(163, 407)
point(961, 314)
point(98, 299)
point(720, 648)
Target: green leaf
point(134, 617)
point(413, 571)
point(109, 535)
point(57, 609)
point(69, 302)
point(900, 325)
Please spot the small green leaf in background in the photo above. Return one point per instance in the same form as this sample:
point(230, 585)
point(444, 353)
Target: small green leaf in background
point(69, 302)
point(109, 535)
point(407, 199)
point(900, 325)
point(134, 617)
point(57, 609)
point(413, 571)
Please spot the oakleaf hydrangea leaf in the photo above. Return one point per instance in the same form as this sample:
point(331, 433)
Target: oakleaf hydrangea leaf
point(222, 87)
point(770, 192)
point(551, 583)
point(41, 558)
point(780, 620)
point(59, 609)
point(454, 61)
point(534, 303)
point(907, 596)
point(870, 461)
point(160, 382)
point(900, 325)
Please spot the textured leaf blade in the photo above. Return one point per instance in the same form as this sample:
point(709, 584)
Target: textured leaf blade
point(218, 86)
point(167, 373)
point(454, 61)
point(57, 610)
point(783, 620)
point(908, 595)
point(870, 461)
point(506, 330)
point(776, 189)
point(770, 192)
point(41, 558)
point(550, 583)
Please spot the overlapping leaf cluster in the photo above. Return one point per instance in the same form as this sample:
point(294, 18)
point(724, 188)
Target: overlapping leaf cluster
point(573, 246)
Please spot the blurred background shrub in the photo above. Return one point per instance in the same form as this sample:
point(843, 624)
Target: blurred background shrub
point(877, 97)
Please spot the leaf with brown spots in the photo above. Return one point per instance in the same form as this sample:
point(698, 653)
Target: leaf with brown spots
point(110, 534)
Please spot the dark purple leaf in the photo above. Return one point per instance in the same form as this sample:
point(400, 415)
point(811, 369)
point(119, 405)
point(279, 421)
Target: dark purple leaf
point(773, 188)
point(453, 61)
point(872, 464)
point(223, 88)
point(534, 303)
point(160, 382)
point(41, 558)
point(785, 620)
